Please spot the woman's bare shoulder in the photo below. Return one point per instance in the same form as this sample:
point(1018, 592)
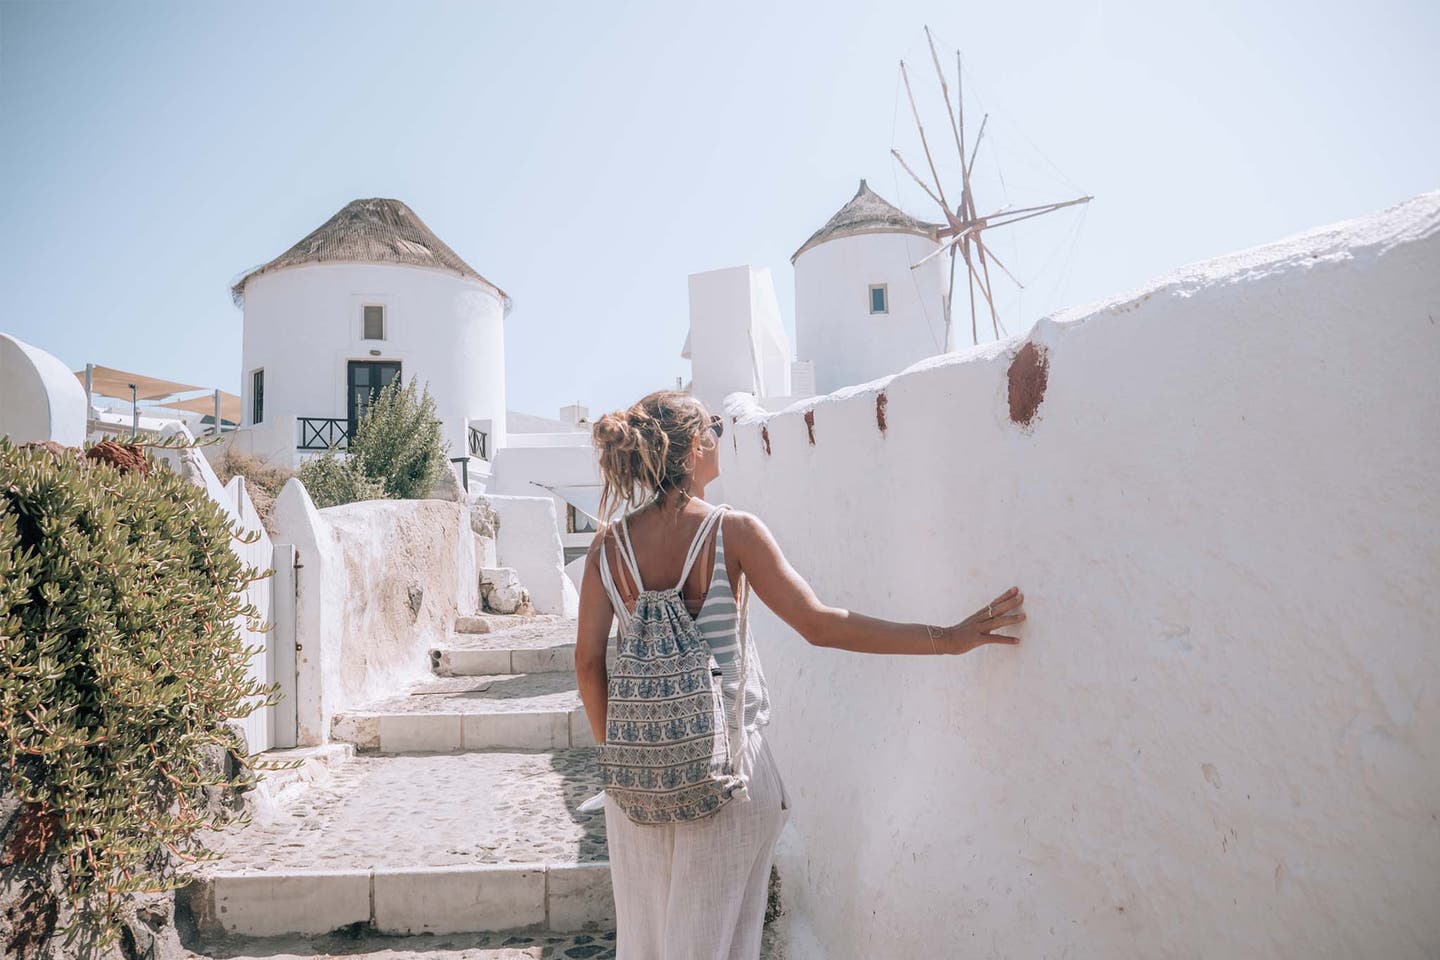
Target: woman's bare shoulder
point(744, 528)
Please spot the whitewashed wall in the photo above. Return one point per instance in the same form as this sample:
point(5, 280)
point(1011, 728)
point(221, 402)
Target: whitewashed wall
point(262, 727)
point(555, 459)
point(833, 323)
point(303, 325)
point(380, 583)
point(527, 541)
point(1218, 735)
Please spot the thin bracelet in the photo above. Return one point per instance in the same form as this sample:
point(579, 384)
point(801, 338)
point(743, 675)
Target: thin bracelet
point(931, 634)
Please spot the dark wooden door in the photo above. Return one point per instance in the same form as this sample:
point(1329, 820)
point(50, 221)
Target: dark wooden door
point(365, 379)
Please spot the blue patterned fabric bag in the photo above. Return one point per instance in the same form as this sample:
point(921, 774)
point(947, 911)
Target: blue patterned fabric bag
point(667, 755)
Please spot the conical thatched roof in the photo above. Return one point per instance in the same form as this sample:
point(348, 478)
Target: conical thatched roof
point(867, 212)
point(377, 230)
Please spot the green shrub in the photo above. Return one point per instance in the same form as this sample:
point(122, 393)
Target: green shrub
point(331, 480)
point(121, 657)
point(398, 442)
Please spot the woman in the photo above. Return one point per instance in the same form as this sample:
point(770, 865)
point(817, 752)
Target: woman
point(697, 890)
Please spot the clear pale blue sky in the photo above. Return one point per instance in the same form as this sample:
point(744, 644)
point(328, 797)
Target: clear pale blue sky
point(587, 157)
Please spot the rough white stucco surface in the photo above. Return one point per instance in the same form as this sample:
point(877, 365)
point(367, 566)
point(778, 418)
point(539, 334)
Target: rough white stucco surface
point(380, 583)
point(39, 398)
point(1217, 736)
point(529, 543)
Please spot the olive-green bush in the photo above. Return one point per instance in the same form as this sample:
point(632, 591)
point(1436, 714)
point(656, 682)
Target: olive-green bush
point(396, 453)
point(331, 480)
point(121, 658)
point(398, 441)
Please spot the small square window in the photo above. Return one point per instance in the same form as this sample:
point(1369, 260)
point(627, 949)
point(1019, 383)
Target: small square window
point(879, 298)
point(257, 397)
point(374, 322)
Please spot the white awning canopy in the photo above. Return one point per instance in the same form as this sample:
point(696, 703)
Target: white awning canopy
point(230, 409)
point(584, 497)
point(109, 382)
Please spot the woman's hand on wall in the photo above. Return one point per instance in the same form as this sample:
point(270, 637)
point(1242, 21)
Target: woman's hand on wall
point(979, 628)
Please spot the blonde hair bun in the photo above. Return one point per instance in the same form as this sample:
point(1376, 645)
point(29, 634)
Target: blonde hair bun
point(643, 450)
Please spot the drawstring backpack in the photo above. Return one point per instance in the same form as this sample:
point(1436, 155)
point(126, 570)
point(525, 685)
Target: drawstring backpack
point(667, 755)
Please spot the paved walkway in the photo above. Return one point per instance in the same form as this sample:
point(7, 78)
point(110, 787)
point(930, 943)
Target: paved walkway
point(430, 810)
point(454, 824)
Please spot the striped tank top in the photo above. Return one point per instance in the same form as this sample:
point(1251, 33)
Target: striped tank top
point(718, 622)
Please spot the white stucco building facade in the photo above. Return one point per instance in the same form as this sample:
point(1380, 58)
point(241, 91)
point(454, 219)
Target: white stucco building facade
point(370, 295)
point(737, 340)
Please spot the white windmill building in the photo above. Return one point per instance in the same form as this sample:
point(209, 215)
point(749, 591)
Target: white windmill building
point(370, 295)
point(873, 286)
point(861, 312)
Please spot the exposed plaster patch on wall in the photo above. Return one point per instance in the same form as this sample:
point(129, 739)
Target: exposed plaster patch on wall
point(1029, 373)
point(880, 401)
point(765, 435)
point(810, 425)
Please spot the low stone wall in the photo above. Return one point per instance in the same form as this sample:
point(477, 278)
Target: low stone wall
point(529, 542)
point(1217, 737)
point(380, 582)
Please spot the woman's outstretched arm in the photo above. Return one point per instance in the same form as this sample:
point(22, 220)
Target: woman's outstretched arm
point(786, 593)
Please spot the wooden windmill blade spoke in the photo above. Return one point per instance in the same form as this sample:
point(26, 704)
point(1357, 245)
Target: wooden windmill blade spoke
point(949, 304)
point(976, 149)
point(1038, 212)
point(1043, 208)
point(939, 187)
point(985, 266)
point(945, 90)
point(960, 111)
point(935, 253)
point(923, 185)
point(970, 272)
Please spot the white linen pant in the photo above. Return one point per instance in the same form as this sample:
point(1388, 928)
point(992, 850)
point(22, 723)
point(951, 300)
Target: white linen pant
point(696, 891)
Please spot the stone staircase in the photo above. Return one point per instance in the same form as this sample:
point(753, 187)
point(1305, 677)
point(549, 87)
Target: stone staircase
point(456, 816)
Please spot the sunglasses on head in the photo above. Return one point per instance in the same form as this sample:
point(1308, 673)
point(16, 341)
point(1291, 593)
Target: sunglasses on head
point(717, 423)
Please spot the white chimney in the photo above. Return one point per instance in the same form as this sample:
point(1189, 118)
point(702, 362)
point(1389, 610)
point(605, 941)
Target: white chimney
point(575, 413)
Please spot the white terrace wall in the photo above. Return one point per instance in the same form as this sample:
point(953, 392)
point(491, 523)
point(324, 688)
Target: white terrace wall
point(528, 541)
point(380, 583)
point(1217, 737)
point(264, 728)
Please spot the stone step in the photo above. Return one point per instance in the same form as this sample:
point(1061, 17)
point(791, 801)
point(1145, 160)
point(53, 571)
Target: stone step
point(307, 766)
point(476, 842)
point(553, 897)
point(456, 946)
point(547, 647)
point(537, 711)
point(500, 622)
